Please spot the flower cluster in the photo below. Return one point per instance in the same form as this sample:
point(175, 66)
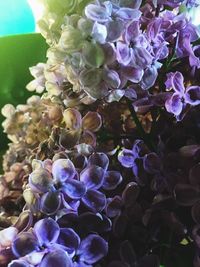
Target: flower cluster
point(60, 187)
point(111, 45)
point(48, 243)
point(103, 165)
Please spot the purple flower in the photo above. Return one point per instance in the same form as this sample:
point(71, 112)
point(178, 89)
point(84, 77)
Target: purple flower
point(64, 174)
point(149, 77)
point(95, 177)
point(127, 157)
point(182, 97)
point(187, 33)
point(46, 245)
point(63, 188)
point(134, 158)
point(92, 249)
point(49, 245)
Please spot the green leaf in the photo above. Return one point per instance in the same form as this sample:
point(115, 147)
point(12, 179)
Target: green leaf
point(17, 54)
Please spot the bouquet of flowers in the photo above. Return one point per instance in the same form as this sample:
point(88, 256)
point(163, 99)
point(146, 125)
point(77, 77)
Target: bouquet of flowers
point(103, 168)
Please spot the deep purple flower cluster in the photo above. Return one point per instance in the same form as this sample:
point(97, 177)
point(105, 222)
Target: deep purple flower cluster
point(48, 244)
point(66, 188)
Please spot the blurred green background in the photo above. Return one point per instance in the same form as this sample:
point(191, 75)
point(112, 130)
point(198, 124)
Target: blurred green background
point(20, 48)
point(17, 54)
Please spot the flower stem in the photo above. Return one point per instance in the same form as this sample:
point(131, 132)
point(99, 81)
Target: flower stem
point(141, 131)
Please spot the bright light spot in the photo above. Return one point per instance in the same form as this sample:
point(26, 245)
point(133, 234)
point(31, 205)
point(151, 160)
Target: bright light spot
point(37, 9)
point(16, 17)
point(194, 14)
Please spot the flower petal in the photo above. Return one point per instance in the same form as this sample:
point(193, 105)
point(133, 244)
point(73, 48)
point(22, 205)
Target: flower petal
point(141, 58)
point(92, 249)
point(93, 55)
point(92, 177)
point(132, 31)
point(111, 78)
point(130, 193)
point(72, 119)
point(40, 180)
point(152, 163)
point(174, 104)
point(90, 222)
point(74, 189)
point(113, 207)
point(7, 235)
point(35, 257)
point(63, 169)
point(56, 258)
point(24, 244)
point(115, 29)
point(5, 256)
point(99, 32)
point(126, 157)
point(97, 13)
point(192, 95)
point(70, 206)
point(69, 239)
point(124, 53)
point(92, 121)
point(47, 231)
point(94, 200)
point(175, 81)
point(99, 159)
point(68, 138)
point(132, 74)
point(50, 202)
point(18, 263)
point(90, 77)
point(126, 13)
point(149, 77)
point(24, 221)
point(70, 40)
point(112, 180)
point(87, 138)
point(186, 195)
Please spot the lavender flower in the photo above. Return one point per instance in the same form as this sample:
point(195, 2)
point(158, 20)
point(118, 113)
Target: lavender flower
point(178, 102)
point(49, 244)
